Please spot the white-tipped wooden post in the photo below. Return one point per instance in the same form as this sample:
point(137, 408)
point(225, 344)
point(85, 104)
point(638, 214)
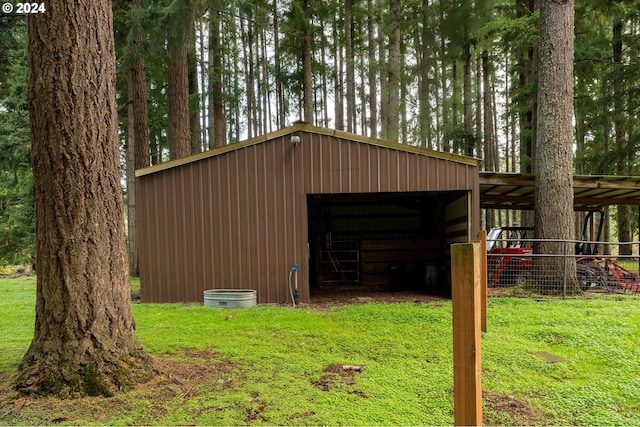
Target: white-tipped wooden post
point(467, 356)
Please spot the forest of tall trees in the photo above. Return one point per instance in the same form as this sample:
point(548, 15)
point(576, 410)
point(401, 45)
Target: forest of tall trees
point(457, 76)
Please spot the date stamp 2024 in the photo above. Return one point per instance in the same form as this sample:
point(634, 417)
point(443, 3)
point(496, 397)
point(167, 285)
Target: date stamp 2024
point(23, 8)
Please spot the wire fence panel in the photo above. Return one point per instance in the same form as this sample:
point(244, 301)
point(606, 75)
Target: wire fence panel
point(515, 267)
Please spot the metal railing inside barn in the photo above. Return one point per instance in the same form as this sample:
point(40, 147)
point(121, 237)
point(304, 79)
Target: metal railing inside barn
point(576, 269)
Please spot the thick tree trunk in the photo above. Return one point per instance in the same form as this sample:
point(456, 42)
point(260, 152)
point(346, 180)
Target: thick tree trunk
point(307, 64)
point(393, 76)
point(194, 100)
point(178, 103)
point(527, 152)
point(248, 65)
point(490, 146)
point(350, 63)
point(217, 123)
point(468, 139)
point(526, 116)
point(140, 141)
point(234, 106)
point(373, 87)
point(324, 78)
point(140, 114)
point(338, 76)
point(383, 68)
point(280, 101)
point(455, 102)
point(606, 145)
point(325, 84)
point(404, 95)
point(424, 89)
point(84, 341)
point(478, 129)
point(132, 231)
point(622, 163)
point(554, 148)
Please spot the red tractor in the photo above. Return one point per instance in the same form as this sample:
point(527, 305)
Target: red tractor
point(510, 259)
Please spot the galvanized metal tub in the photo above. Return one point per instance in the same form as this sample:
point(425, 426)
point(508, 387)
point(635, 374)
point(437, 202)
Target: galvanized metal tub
point(230, 298)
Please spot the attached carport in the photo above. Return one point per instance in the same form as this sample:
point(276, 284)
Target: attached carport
point(499, 190)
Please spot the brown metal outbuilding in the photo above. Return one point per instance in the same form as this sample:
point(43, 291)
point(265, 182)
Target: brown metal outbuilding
point(350, 210)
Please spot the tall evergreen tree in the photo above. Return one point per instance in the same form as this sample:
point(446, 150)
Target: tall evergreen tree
point(179, 17)
point(392, 119)
point(620, 133)
point(554, 148)
point(307, 62)
point(217, 122)
point(84, 340)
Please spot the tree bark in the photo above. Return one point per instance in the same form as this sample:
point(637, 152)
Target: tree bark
point(528, 217)
point(217, 123)
point(373, 87)
point(140, 140)
point(404, 95)
point(140, 98)
point(383, 68)
point(526, 115)
point(554, 148)
point(248, 65)
point(194, 99)
point(280, 98)
point(392, 129)
point(178, 102)
point(324, 120)
point(468, 138)
point(350, 65)
point(84, 341)
point(622, 162)
point(490, 146)
point(130, 160)
point(307, 64)
point(338, 76)
point(455, 102)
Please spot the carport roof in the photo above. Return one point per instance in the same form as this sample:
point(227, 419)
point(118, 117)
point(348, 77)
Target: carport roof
point(516, 191)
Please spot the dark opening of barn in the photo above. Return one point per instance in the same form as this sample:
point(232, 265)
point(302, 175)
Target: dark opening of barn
point(352, 212)
point(383, 241)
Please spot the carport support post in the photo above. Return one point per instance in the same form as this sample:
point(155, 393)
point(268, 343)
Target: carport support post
point(467, 358)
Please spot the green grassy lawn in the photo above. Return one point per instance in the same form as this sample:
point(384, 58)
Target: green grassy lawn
point(552, 362)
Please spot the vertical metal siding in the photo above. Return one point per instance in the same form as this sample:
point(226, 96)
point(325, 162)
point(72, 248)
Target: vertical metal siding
point(239, 219)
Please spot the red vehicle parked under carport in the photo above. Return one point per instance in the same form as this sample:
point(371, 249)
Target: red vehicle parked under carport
point(510, 259)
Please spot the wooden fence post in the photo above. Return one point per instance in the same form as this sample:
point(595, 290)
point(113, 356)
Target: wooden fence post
point(482, 240)
point(467, 356)
point(482, 237)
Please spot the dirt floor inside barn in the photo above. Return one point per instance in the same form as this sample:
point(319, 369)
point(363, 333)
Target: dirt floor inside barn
point(327, 298)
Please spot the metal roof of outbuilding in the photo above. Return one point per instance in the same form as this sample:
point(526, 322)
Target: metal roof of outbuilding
point(304, 127)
